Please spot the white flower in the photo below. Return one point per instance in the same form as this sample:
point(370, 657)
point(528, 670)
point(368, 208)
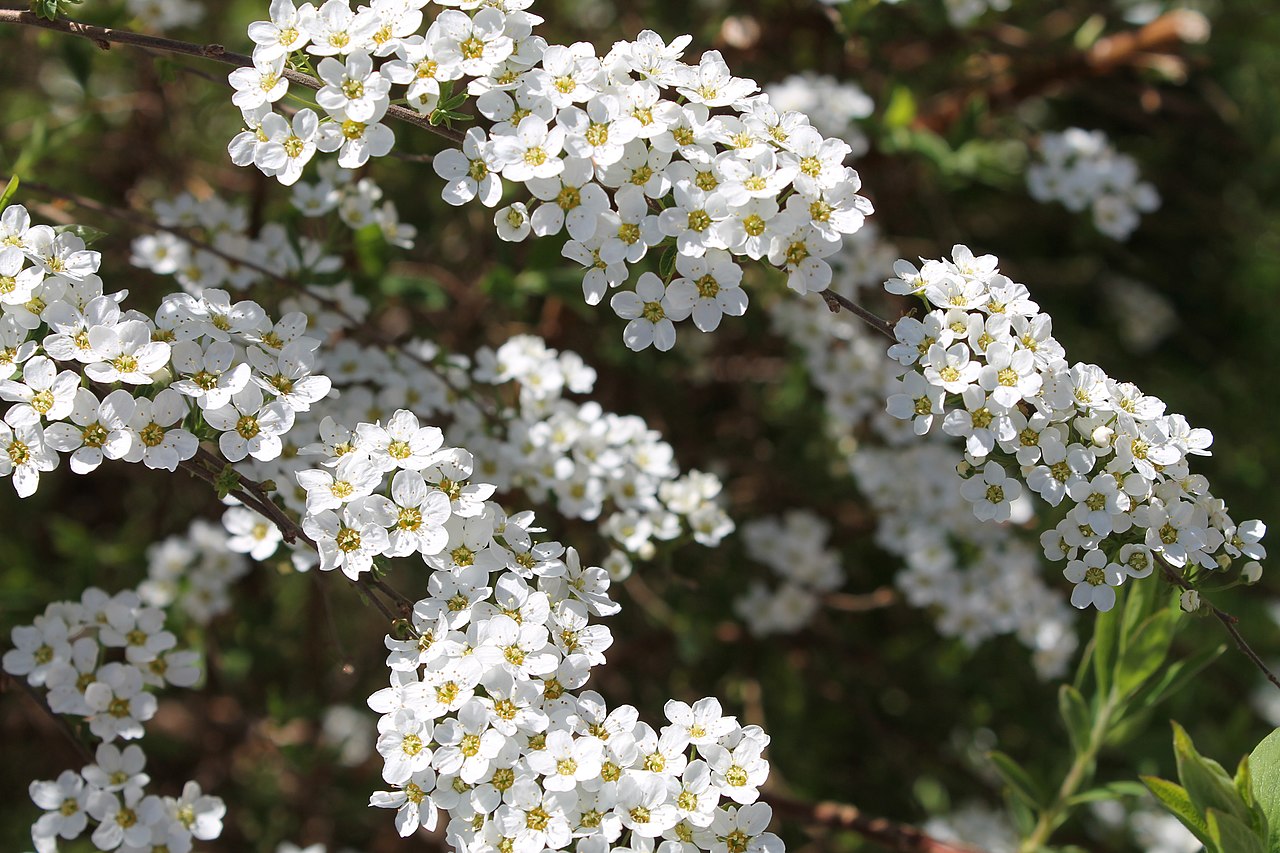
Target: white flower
point(287, 31)
point(262, 84)
point(356, 91)
point(65, 802)
point(126, 352)
point(211, 374)
point(402, 443)
point(24, 455)
point(709, 287)
point(992, 494)
point(415, 808)
point(157, 441)
point(471, 172)
point(249, 426)
point(250, 533)
point(350, 541)
point(1095, 580)
point(117, 703)
point(650, 310)
point(289, 146)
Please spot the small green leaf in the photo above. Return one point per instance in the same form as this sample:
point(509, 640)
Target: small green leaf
point(1110, 791)
point(1264, 772)
point(1174, 677)
point(9, 191)
point(1019, 782)
point(1231, 834)
point(1206, 782)
point(1174, 798)
point(901, 110)
point(227, 481)
point(87, 233)
point(1077, 716)
point(1145, 652)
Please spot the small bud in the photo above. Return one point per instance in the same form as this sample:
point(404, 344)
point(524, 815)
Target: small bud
point(1223, 560)
point(965, 469)
point(1102, 436)
point(1190, 601)
point(1252, 572)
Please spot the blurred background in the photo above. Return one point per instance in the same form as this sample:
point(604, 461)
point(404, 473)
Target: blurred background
point(869, 704)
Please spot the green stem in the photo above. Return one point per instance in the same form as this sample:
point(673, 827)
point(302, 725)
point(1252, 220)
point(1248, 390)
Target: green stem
point(1079, 774)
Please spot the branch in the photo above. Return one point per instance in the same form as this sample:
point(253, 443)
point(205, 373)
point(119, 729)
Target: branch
point(1165, 34)
point(58, 720)
point(104, 37)
point(1228, 621)
point(893, 836)
point(835, 302)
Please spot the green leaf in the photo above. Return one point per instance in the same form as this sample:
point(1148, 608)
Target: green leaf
point(1264, 770)
point(87, 233)
point(1077, 716)
point(227, 481)
point(47, 9)
point(1141, 601)
point(1175, 799)
point(9, 191)
point(1231, 834)
point(1018, 780)
point(1145, 652)
point(1206, 782)
point(1244, 787)
point(1110, 791)
point(1106, 638)
point(901, 110)
point(1174, 677)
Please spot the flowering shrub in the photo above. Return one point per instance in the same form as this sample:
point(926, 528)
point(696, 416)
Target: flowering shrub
point(359, 389)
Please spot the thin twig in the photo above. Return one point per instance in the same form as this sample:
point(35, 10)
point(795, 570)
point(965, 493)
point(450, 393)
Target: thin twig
point(835, 302)
point(894, 836)
point(104, 37)
point(254, 495)
point(885, 596)
point(1228, 621)
point(60, 721)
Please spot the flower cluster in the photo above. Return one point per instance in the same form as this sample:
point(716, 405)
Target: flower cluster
point(135, 388)
point(795, 548)
point(834, 106)
point(482, 719)
point(984, 367)
point(625, 152)
point(595, 464)
point(359, 204)
point(978, 580)
point(1080, 169)
point(99, 659)
point(195, 570)
point(163, 15)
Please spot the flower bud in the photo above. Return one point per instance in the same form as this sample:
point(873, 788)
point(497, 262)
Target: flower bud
point(1190, 601)
point(1252, 572)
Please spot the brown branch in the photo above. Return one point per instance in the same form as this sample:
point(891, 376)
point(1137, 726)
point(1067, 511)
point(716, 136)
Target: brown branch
point(253, 494)
point(885, 596)
point(1011, 85)
point(104, 37)
point(835, 302)
point(893, 836)
point(1228, 621)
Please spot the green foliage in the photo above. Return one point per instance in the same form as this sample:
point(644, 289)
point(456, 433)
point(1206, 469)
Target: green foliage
point(1227, 814)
